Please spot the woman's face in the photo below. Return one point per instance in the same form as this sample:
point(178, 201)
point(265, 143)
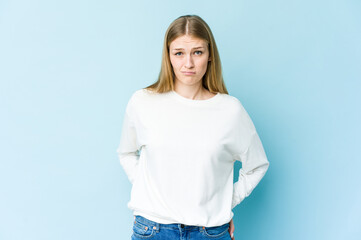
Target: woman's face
point(189, 57)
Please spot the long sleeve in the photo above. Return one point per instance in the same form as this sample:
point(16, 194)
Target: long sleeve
point(128, 152)
point(167, 137)
point(252, 155)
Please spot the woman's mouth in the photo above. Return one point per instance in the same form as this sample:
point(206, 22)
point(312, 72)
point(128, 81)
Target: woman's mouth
point(189, 73)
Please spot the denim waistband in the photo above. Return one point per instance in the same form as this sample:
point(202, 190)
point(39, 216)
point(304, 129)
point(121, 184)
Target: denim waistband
point(169, 226)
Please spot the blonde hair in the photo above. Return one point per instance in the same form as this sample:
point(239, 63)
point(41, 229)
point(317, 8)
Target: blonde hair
point(193, 26)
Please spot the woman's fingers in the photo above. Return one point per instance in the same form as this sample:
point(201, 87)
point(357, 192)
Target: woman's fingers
point(231, 229)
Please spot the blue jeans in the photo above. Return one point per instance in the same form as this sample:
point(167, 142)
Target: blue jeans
point(144, 228)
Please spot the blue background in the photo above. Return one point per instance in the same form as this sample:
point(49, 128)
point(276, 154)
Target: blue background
point(68, 68)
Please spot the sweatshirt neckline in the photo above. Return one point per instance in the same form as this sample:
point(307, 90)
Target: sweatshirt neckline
point(195, 101)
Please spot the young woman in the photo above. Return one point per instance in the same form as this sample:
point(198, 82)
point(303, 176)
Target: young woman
point(180, 139)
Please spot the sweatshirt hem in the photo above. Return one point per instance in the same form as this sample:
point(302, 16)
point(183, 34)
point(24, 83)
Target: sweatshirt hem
point(153, 217)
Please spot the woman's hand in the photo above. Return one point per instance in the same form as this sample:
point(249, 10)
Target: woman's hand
point(231, 228)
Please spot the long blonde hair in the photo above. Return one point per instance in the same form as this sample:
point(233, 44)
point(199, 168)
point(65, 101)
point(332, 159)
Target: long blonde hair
point(193, 26)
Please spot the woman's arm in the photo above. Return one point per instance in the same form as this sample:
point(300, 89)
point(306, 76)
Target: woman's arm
point(128, 152)
point(252, 155)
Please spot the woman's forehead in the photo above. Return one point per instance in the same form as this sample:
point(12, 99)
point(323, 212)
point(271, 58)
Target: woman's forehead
point(187, 41)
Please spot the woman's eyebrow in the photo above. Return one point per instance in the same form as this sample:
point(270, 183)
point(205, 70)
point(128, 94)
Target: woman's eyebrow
point(183, 48)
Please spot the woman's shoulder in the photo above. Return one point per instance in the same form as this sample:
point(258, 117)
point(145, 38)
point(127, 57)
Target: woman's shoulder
point(143, 92)
point(140, 96)
point(232, 101)
point(237, 110)
point(139, 93)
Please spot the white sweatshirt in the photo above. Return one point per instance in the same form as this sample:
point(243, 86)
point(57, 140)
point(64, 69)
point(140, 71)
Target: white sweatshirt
point(179, 155)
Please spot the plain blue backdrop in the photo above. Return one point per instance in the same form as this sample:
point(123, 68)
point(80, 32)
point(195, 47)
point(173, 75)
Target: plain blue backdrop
point(68, 68)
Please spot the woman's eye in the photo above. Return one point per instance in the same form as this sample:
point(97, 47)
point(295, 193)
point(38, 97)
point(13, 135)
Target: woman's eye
point(196, 53)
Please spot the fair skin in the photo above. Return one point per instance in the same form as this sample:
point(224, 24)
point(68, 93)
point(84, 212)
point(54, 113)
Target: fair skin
point(189, 57)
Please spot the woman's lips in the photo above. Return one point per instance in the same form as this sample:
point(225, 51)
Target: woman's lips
point(188, 73)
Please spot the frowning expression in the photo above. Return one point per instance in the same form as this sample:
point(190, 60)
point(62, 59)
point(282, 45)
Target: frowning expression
point(189, 58)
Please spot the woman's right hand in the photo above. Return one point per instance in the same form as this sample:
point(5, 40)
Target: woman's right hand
point(231, 228)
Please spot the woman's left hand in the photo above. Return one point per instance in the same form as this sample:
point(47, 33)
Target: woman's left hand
point(231, 228)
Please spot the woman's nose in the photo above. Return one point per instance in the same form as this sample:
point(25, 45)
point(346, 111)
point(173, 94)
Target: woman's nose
point(189, 62)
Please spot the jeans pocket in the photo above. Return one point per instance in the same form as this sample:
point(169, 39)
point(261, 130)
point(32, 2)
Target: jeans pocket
point(215, 232)
point(142, 230)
